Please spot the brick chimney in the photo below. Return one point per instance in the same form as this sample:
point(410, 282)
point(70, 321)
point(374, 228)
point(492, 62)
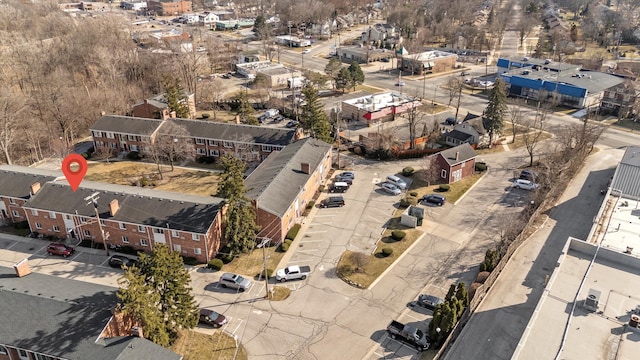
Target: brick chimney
point(114, 207)
point(457, 155)
point(35, 187)
point(306, 168)
point(137, 331)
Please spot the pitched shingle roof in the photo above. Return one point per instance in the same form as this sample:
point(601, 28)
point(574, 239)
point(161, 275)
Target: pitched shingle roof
point(136, 205)
point(63, 318)
point(627, 176)
point(464, 152)
point(459, 135)
point(127, 125)
point(236, 132)
point(277, 181)
point(14, 182)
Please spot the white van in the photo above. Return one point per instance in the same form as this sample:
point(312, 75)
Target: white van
point(397, 182)
point(339, 187)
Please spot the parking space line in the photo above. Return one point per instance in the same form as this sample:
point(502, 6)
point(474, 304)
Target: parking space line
point(413, 317)
point(237, 327)
point(298, 261)
point(312, 241)
point(315, 232)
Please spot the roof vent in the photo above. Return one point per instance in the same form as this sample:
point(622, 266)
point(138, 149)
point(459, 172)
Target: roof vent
point(592, 301)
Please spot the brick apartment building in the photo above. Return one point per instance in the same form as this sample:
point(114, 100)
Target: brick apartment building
point(252, 143)
point(16, 187)
point(169, 7)
point(131, 216)
point(283, 185)
point(46, 317)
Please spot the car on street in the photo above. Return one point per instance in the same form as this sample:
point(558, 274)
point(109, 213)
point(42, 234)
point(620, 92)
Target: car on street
point(60, 249)
point(306, 51)
point(118, 261)
point(434, 199)
point(332, 201)
point(525, 184)
point(428, 301)
point(400, 83)
point(291, 124)
point(390, 188)
point(212, 318)
point(235, 281)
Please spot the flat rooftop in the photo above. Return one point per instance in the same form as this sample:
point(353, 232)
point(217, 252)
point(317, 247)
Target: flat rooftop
point(376, 102)
point(624, 226)
point(429, 55)
point(599, 334)
point(259, 65)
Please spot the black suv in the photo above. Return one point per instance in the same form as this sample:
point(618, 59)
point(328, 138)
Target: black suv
point(434, 199)
point(332, 201)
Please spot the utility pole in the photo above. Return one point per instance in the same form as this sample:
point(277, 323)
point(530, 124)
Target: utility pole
point(262, 245)
point(93, 198)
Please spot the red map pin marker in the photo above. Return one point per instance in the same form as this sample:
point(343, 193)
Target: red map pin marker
point(74, 176)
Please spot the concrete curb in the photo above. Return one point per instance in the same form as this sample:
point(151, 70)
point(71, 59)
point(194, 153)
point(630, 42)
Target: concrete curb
point(393, 264)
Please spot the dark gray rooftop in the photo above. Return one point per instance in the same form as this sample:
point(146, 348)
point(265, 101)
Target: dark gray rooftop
point(276, 182)
point(459, 135)
point(465, 151)
point(261, 135)
point(127, 125)
point(14, 182)
point(63, 318)
point(627, 176)
point(138, 206)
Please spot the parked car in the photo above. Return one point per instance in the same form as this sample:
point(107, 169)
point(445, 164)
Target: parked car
point(529, 175)
point(262, 118)
point(434, 199)
point(60, 249)
point(118, 261)
point(428, 301)
point(395, 180)
point(306, 51)
point(400, 83)
point(347, 180)
point(391, 189)
point(451, 121)
point(234, 281)
point(338, 187)
point(212, 318)
point(292, 273)
point(291, 124)
point(277, 118)
point(464, 73)
point(348, 174)
point(332, 201)
point(525, 184)
point(409, 334)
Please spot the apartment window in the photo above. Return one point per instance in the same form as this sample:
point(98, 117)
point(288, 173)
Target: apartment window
point(132, 138)
point(38, 225)
point(213, 143)
point(267, 148)
point(83, 219)
point(52, 215)
point(102, 223)
point(43, 357)
point(86, 232)
point(177, 248)
point(197, 251)
point(175, 233)
point(443, 174)
point(15, 213)
point(195, 237)
point(125, 239)
point(214, 152)
point(23, 354)
point(3, 350)
point(123, 226)
point(141, 228)
point(144, 242)
point(56, 228)
point(199, 141)
point(158, 231)
point(227, 144)
point(34, 212)
point(68, 217)
point(109, 135)
point(201, 151)
point(12, 201)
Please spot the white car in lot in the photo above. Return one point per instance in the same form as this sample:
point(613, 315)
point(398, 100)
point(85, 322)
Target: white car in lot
point(395, 180)
point(525, 184)
point(390, 188)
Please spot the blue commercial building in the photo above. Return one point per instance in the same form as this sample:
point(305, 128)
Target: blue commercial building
point(572, 86)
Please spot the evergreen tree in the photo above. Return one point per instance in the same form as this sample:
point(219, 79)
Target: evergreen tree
point(157, 293)
point(332, 69)
point(462, 294)
point(496, 110)
point(231, 185)
point(176, 98)
point(245, 110)
point(313, 118)
point(357, 76)
point(343, 80)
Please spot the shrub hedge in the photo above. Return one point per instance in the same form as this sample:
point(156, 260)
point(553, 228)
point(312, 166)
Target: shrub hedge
point(293, 232)
point(387, 251)
point(444, 187)
point(398, 235)
point(408, 171)
point(215, 264)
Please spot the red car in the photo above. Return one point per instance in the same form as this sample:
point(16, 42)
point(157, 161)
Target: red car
point(60, 249)
point(212, 318)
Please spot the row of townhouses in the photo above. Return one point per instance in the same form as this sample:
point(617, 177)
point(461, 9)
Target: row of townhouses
point(280, 188)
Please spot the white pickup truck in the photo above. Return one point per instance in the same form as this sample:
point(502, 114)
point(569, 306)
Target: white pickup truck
point(293, 272)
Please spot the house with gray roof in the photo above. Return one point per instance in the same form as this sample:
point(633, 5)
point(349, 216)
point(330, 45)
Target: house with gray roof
point(46, 317)
point(455, 164)
point(157, 107)
point(213, 139)
point(129, 216)
point(16, 187)
point(626, 179)
point(285, 182)
point(471, 130)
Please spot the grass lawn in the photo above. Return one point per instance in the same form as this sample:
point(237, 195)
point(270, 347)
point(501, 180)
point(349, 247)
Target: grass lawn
point(221, 116)
point(251, 264)
point(369, 89)
point(371, 266)
point(520, 141)
point(628, 124)
point(194, 345)
point(456, 190)
point(179, 180)
point(279, 293)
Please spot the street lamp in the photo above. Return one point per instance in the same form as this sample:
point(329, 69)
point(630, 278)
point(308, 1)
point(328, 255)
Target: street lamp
point(263, 244)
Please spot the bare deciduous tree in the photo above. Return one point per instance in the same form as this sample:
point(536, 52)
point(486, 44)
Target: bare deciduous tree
point(430, 172)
